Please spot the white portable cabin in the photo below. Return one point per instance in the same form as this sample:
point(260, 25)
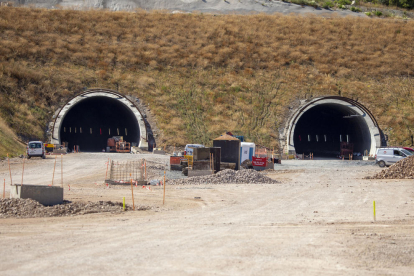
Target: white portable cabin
point(246, 151)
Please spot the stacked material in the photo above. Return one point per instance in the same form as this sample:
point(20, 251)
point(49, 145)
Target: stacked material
point(403, 169)
point(226, 177)
point(29, 208)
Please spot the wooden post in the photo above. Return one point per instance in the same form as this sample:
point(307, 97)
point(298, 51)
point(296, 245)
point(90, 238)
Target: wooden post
point(106, 174)
point(23, 171)
point(375, 217)
point(163, 199)
point(132, 190)
point(74, 150)
point(145, 166)
point(61, 169)
point(54, 168)
point(211, 163)
point(8, 160)
point(4, 189)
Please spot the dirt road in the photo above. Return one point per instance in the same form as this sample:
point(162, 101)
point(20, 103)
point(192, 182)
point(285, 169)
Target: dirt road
point(318, 220)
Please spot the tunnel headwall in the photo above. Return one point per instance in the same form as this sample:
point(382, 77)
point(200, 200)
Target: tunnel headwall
point(93, 116)
point(319, 125)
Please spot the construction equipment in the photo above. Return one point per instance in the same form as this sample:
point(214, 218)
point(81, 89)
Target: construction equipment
point(117, 144)
point(347, 149)
point(124, 147)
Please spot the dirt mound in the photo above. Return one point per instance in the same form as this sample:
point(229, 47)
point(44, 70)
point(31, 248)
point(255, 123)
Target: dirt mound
point(403, 169)
point(29, 208)
point(226, 177)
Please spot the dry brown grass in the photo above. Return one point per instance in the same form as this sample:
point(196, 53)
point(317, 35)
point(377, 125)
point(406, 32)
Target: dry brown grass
point(204, 74)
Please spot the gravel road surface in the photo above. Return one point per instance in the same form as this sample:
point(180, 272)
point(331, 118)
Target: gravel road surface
point(317, 220)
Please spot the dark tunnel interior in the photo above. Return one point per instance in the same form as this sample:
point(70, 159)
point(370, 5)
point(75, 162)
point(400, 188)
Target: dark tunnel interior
point(321, 129)
point(92, 121)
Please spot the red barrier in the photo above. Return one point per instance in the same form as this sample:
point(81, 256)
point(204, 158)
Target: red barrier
point(259, 162)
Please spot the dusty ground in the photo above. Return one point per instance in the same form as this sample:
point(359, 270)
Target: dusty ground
point(318, 220)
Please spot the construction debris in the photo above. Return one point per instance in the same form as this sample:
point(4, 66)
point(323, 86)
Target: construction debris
point(226, 177)
point(403, 169)
point(29, 208)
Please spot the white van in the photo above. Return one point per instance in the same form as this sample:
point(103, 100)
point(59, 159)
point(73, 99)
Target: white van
point(189, 148)
point(389, 156)
point(35, 148)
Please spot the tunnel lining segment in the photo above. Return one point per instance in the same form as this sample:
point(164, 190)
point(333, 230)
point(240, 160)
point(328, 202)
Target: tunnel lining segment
point(354, 108)
point(91, 93)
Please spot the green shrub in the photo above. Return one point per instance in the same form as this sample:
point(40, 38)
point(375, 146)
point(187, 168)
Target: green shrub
point(368, 13)
point(298, 2)
point(328, 5)
point(355, 9)
point(408, 4)
point(343, 2)
point(305, 2)
point(378, 13)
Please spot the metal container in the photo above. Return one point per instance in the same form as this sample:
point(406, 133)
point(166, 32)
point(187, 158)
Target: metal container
point(230, 149)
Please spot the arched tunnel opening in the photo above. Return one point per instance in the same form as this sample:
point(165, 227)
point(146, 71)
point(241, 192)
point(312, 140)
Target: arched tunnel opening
point(321, 129)
point(90, 123)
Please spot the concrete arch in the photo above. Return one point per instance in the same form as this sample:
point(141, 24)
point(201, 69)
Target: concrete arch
point(108, 96)
point(317, 111)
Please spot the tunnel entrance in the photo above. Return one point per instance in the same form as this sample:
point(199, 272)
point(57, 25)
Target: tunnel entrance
point(89, 119)
point(321, 129)
point(91, 122)
point(319, 126)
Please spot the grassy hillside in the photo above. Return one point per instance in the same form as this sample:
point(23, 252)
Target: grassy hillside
point(8, 142)
point(203, 74)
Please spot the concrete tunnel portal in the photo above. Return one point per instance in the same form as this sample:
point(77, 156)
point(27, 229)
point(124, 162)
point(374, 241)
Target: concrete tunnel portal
point(89, 119)
point(319, 126)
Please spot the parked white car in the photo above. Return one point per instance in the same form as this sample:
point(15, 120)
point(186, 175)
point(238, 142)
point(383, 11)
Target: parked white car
point(35, 148)
point(389, 156)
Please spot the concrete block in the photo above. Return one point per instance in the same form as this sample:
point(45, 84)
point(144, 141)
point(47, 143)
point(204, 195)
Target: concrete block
point(46, 195)
point(201, 154)
point(198, 172)
point(175, 167)
point(60, 151)
point(201, 165)
point(158, 152)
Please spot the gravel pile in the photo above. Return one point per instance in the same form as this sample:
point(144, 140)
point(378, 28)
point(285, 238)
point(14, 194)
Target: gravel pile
point(403, 169)
point(226, 177)
point(29, 208)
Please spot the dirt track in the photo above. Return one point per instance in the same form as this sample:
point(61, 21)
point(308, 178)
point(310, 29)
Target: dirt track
point(318, 220)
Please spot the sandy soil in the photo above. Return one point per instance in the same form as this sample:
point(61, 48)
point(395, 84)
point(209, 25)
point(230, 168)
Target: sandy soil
point(318, 220)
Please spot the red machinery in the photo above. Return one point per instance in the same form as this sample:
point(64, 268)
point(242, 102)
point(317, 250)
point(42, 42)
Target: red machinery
point(347, 149)
point(117, 144)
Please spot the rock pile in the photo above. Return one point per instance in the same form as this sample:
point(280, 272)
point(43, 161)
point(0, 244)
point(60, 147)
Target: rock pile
point(403, 169)
point(29, 208)
point(226, 177)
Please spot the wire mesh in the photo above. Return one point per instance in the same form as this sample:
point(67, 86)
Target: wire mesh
point(125, 171)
